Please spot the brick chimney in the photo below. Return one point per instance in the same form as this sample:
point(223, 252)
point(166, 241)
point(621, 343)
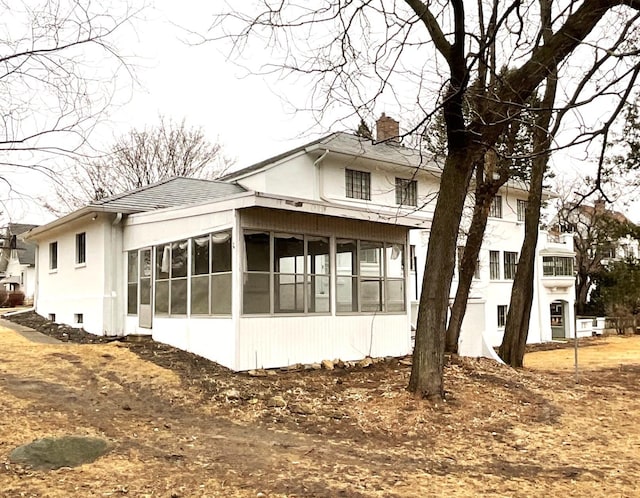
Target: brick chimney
point(387, 129)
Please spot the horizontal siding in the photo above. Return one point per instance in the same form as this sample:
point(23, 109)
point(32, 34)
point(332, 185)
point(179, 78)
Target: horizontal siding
point(267, 342)
point(314, 224)
point(212, 338)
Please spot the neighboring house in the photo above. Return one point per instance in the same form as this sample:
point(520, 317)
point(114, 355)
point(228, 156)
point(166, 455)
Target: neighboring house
point(17, 260)
point(600, 236)
point(308, 255)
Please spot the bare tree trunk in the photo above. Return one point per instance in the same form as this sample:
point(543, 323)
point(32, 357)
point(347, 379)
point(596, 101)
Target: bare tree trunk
point(467, 268)
point(519, 314)
point(428, 355)
point(583, 282)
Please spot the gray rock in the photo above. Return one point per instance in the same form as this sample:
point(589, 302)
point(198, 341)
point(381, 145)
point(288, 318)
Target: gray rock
point(53, 453)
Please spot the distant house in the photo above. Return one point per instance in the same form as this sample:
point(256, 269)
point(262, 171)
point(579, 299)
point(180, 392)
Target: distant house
point(17, 260)
point(600, 236)
point(315, 253)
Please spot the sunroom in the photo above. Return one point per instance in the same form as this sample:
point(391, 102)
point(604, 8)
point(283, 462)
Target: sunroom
point(270, 284)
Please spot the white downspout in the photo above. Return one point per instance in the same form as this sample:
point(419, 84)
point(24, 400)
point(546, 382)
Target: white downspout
point(320, 177)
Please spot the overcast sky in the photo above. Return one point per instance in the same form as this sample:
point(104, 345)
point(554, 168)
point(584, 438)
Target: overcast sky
point(178, 80)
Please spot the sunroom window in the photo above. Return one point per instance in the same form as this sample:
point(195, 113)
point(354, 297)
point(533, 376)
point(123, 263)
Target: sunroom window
point(211, 274)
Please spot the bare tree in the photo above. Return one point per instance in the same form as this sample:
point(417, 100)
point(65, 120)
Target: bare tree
point(139, 158)
point(58, 70)
point(365, 52)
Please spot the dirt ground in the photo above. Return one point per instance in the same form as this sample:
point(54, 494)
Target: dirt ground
point(180, 426)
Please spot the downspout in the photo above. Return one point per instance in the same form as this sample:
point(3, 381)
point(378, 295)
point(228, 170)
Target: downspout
point(116, 273)
point(320, 177)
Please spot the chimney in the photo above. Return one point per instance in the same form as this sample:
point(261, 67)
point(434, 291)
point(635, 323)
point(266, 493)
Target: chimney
point(387, 129)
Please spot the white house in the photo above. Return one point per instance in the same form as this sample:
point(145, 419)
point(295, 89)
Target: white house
point(304, 256)
point(17, 260)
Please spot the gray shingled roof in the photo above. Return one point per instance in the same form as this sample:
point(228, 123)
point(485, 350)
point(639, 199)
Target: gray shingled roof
point(173, 192)
point(346, 143)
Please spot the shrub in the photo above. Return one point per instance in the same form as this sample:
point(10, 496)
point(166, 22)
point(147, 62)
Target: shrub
point(15, 298)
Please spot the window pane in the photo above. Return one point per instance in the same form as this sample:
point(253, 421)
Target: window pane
point(346, 257)
point(257, 251)
point(145, 291)
point(395, 295)
point(81, 247)
point(318, 290)
point(132, 266)
point(318, 256)
point(200, 295)
point(370, 259)
point(162, 296)
point(288, 254)
point(255, 291)
point(346, 294)
point(179, 297)
point(221, 252)
point(145, 263)
point(547, 266)
point(179, 259)
point(494, 265)
point(221, 294)
point(163, 256)
point(394, 256)
point(289, 293)
point(200, 256)
point(371, 295)
point(132, 298)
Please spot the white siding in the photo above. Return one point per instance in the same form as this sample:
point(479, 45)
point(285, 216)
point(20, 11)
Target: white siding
point(212, 338)
point(267, 342)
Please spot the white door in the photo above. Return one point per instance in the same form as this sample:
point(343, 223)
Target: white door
point(145, 313)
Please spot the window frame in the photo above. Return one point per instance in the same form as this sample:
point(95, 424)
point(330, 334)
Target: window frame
point(558, 266)
point(357, 184)
point(521, 209)
point(81, 249)
point(501, 317)
point(510, 264)
point(53, 255)
point(494, 265)
point(495, 210)
point(406, 192)
point(133, 276)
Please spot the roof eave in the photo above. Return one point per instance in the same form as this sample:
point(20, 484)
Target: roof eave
point(37, 232)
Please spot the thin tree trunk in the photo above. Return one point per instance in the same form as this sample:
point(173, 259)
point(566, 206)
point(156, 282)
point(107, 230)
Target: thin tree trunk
point(467, 268)
point(518, 317)
point(428, 354)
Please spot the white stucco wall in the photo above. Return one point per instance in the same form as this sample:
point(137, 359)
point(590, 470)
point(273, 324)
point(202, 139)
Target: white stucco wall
point(73, 289)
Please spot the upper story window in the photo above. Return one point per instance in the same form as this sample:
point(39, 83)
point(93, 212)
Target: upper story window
point(494, 265)
point(495, 211)
point(53, 256)
point(510, 262)
point(557, 266)
point(358, 184)
point(406, 192)
point(81, 248)
point(522, 209)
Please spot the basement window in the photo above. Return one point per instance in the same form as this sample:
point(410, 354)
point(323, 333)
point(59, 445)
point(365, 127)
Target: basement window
point(52, 317)
point(78, 318)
